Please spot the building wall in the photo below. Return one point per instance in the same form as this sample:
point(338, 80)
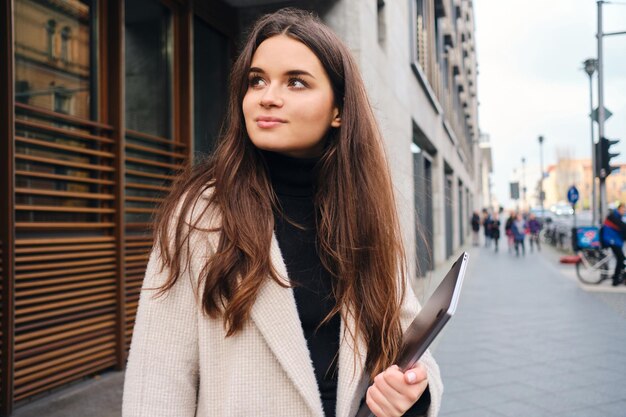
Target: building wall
point(406, 87)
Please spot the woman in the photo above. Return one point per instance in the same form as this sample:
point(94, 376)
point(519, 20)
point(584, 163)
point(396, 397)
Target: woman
point(475, 228)
point(495, 230)
point(508, 230)
point(277, 284)
point(518, 229)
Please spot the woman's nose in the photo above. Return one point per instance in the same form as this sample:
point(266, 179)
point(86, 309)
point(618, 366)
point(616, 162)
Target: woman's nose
point(271, 97)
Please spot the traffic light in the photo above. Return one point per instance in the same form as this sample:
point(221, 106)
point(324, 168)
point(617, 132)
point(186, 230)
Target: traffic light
point(604, 156)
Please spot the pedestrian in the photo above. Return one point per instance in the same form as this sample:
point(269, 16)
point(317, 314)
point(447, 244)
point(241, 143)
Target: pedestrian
point(613, 235)
point(509, 232)
point(518, 229)
point(277, 285)
point(475, 229)
point(487, 227)
point(495, 230)
point(534, 228)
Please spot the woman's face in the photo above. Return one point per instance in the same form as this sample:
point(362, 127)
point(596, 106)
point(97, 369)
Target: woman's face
point(289, 105)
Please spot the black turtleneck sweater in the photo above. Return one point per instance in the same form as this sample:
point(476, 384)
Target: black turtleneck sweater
point(293, 180)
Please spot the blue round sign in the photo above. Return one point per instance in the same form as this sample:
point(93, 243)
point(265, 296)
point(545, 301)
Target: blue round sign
point(572, 194)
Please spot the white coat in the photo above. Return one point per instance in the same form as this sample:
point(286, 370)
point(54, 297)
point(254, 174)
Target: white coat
point(181, 364)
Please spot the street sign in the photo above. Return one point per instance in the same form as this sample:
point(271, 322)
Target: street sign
point(572, 194)
point(607, 114)
point(514, 191)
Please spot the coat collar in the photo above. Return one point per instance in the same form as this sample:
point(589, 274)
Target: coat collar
point(276, 316)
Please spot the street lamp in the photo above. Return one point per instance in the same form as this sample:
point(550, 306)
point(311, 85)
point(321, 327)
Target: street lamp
point(591, 65)
point(541, 195)
point(523, 183)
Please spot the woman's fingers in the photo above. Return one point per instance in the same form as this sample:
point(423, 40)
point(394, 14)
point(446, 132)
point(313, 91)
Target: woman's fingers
point(378, 403)
point(394, 392)
point(415, 375)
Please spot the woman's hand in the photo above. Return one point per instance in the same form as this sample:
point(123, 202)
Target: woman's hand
point(394, 391)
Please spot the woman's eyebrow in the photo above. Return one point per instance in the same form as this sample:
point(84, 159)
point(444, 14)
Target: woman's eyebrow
point(290, 72)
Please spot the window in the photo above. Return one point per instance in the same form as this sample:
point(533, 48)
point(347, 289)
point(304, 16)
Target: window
point(210, 75)
point(421, 44)
point(149, 67)
point(65, 37)
point(382, 26)
point(21, 91)
point(62, 101)
point(55, 54)
point(50, 30)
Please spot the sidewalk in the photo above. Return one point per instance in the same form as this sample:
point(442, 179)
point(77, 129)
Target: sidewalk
point(528, 341)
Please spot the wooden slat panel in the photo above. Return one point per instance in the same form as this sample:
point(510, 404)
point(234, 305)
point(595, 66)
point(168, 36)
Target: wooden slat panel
point(48, 315)
point(45, 368)
point(169, 162)
point(66, 225)
point(155, 139)
point(65, 252)
point(63, 333)
point(61, 304)
point(72, 248)
point(143, 199)
point(47, 274)
point(32, 110)
point(67, 178)
point(65, 132)
point(155, 151)
point(149, 175)
point(60, 378)
point(146, 186)
point(64, 163)
point(62, 240)
point(153, 163)
point(53, 145)
point(58, 256)
point(63, 280)
point(63, 209)
point(64, 194)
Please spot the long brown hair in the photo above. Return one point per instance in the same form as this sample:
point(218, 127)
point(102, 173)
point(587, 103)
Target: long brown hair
point(359, 234)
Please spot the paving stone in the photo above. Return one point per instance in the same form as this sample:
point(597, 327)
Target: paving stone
point(533, 341)
point(518, 408)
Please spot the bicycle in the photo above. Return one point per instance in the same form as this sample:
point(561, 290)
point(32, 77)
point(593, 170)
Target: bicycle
point(595, 264)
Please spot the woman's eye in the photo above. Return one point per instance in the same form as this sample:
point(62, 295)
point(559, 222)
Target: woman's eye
point(297, 83)
point(256, 81)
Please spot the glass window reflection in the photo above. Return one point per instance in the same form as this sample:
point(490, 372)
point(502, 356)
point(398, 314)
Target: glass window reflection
point(53, 56)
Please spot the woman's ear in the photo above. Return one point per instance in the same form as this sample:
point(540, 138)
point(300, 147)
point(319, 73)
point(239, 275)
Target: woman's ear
point(336, 122)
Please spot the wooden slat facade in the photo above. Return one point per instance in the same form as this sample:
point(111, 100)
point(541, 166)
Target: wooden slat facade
point(160, 157)
point(65, 257)
point(81, 186)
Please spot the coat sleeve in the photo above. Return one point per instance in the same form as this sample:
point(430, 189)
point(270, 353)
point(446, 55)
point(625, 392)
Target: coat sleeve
point(162, 371)
point(410, 308)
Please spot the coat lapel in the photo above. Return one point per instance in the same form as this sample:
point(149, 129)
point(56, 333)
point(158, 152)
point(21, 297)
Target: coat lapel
point(352, 379)
point(276, 316)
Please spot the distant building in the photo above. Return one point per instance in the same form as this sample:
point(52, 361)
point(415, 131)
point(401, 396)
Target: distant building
point(103, 101)
point(567, 172)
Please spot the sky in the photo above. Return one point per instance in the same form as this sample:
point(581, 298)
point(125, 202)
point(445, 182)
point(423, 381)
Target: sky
point(531, 82)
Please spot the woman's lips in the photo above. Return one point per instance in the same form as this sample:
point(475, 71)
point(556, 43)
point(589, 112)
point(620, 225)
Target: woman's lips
point(268, 124)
